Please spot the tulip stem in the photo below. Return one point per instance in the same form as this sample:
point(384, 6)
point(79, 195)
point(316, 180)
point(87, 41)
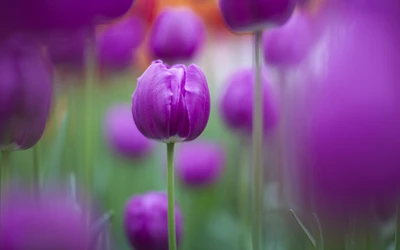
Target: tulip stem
point(36, 170)
point(171, 197)
point(397, 236)
point(88, 142)
point(258, 182)
point(244, 178)
point(5, 172)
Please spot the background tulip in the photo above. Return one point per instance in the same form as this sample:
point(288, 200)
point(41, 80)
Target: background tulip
point(200, 163)
point(25, 93)
point(122, 134)
point(146, 221)
point(236, 102)
point(177, 34)
point(289, 44)
point(116, 45)
point(348, 140)
point(31, 223)
point(252, 15)
point(171, 104)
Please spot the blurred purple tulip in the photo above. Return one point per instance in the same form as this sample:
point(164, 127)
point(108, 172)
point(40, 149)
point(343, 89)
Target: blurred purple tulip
point(289, 44)
point(73, 14)
point(122, 134)
point(200, 163)
point(386, 7)
point(116, 45)
point(25, 93)
point(66, 48)
point(347, 129)
point(32, 224)
point(236, 103)
point(171, 104)
point(146, 221)
point(252, 15)
point(177, 34)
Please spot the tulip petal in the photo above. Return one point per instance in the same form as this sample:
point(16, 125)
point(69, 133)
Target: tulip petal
point(197, 99)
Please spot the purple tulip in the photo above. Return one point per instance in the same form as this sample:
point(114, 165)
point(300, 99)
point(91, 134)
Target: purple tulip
point(146, 221)
point(387, 7)
point(349, 138)
point(289, 44)
point(252, 15)
point(66, 48)
point(48, 223)
point(73, 14)
point(116, 45)
point(171, 104)
point(122, 134)
point(25, 93)
point(236, 103)
point(200, 163)
point(177, 34)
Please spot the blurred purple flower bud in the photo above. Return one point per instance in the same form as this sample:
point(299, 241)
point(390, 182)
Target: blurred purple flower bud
point(386, 7)
point(25, 93)
point(116, 45)
point(146, 221)
point(31, 223)
point(66, 48)
point(171, 104)
point(236, 103)
point(200, 163)
point(177, 34)
point(122, 134)
point(348, 127)
point(252, 15)
point(73, 14)
point(289, 44)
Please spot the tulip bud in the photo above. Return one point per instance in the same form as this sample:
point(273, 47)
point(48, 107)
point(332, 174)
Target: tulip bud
point(122, 134)
point(200, 163)
point(146, 221)
point(252, 15)
point(236, 103)
point(289, 44)
point(115, 46)
point(31, 223)
point(177, 34)
point(25, 93)
point(171, 104)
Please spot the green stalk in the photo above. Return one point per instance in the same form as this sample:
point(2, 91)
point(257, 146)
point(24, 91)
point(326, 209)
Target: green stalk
point(36, 170)
point(88, 139)
point(171, 197)
point(258, 173)
point(243, 192)
point(397, 236)
point(5, 172)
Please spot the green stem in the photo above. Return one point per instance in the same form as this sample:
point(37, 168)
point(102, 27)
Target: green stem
point(88, 141)
point(171, 197)
point(397, 236)
point(5, 172)
point(258, 135)
point(243, 192)
point(36, 170)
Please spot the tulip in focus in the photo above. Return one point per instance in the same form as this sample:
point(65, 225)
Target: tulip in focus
point(122, 134)
point(255, 15)
point(177, 34)
point(146, 222)
point(200, 163)
point(289, 44)
point(171, 104)
point(25, 93)
point(116, 45)
point(48, 222)
point(236, 103)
